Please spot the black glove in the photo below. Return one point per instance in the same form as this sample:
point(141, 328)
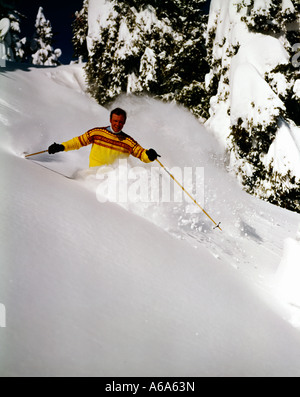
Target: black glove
point(55, 148)
point(152, 155)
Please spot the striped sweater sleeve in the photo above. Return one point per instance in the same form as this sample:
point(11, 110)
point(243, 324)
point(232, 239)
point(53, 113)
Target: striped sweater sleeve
point(140, 153)
point(78, 142)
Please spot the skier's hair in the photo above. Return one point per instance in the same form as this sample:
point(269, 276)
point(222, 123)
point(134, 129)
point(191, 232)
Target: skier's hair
point(118, 112)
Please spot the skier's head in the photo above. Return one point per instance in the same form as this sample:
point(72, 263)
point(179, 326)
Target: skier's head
point(118, 119)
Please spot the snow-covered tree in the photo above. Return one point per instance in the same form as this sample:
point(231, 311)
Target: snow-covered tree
point(280, 18)
point(18, 46)
point(147, 46)
point(252, 86)
point(41, 46)
point(80, 32)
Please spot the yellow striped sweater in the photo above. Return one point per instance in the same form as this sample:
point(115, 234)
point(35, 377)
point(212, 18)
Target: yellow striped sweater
point(107, 146)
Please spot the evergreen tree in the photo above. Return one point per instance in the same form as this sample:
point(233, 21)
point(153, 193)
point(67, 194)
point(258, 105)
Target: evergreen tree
point(276, 109)
point(152, 47)
point(277, 20)
point(251, 143)
point(18, 46)
point(191, 59)
point(80, 31)
point(41, 45)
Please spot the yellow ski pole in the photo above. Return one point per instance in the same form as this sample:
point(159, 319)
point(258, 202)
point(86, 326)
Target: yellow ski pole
point(35, 154)
point(217, 225)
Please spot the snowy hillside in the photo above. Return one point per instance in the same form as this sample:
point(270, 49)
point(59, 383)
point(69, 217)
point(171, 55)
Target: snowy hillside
point(134, 289)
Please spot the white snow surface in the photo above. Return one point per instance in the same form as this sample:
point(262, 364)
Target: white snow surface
point(102, 289)
point(289, 272)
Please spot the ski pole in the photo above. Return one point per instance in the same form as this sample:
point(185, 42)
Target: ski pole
point(217, 225)
point(35, 154)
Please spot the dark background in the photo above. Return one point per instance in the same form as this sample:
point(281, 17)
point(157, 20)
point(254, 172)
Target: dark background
point(61, 14)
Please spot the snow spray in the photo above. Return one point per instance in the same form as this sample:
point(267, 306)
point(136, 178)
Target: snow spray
point(217, 225)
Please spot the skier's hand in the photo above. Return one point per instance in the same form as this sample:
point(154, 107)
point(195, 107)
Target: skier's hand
point(152, 155)
point(55, 148)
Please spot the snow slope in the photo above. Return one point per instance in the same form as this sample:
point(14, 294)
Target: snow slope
point(94, 289)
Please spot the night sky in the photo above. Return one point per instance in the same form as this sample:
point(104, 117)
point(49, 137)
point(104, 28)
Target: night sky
point(61, 14)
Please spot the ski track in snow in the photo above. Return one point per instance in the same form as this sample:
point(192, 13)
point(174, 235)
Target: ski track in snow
point(253, 231)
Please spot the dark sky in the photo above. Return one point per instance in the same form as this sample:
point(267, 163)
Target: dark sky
point(61, 15)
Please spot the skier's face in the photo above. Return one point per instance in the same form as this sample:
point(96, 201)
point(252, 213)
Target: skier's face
point(117, 122)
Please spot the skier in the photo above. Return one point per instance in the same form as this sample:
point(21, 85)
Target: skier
point(109, 143)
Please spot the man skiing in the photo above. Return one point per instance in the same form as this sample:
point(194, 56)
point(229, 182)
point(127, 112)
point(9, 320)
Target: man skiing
point(109, 143)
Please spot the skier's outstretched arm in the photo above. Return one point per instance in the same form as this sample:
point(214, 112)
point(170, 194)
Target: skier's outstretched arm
point(73, 144)
point(56, 148)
